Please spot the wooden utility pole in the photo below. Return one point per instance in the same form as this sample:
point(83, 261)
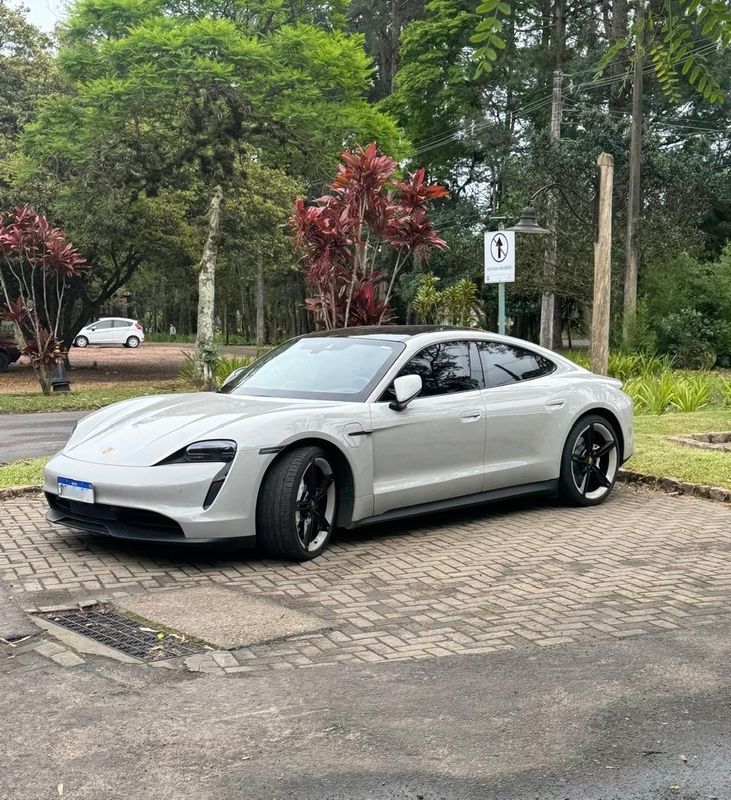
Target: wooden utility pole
point(602, 267)
point(631, 267)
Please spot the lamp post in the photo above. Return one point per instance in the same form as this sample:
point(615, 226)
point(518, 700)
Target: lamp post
point(602, 253)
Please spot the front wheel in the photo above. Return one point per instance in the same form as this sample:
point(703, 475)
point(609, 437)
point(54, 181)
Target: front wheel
point(589, 462)
point(132, 341)
point(296, 508)
point(81, 341)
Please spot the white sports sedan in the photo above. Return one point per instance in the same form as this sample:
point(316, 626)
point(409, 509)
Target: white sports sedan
point(341, 429)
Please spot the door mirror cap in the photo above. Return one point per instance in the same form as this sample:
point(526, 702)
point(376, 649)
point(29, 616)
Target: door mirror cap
point(406, 388)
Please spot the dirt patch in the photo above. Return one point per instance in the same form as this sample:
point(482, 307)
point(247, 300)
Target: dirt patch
point(97, 367)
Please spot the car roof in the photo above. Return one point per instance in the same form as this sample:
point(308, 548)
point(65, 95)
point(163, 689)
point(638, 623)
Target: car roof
point(398, 333)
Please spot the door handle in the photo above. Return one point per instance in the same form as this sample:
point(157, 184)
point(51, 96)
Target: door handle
point(470, 416)
point(558, 403)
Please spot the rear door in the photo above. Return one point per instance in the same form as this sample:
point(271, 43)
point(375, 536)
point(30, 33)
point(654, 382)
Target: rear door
point(101, 332)
point(122, 330)
point(435, 448)
point(523, 402)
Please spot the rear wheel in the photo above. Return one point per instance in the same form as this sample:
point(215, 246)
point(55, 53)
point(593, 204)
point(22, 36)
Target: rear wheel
point(81, 341)
point(132, 341)
point(590, 462)
point(4, 362)
point(296, 508)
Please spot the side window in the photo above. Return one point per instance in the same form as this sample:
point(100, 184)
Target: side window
point(444, 368)
point(103, 325)
point(505, 363)
point(121, 323)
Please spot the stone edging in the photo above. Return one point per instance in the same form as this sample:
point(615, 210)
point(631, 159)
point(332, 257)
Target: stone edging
point(18, 491)
point(676, 486)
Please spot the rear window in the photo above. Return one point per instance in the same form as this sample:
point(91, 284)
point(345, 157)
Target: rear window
point(504, 364)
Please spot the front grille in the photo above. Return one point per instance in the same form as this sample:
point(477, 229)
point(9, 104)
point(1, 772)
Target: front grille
point(116, 520)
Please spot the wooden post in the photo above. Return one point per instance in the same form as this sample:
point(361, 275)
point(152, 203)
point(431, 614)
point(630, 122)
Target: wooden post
point(260, 319)
point(602, 267)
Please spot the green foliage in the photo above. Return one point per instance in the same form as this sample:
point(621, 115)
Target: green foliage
point(625, 366)
point(678, 35)
point(456, 304)
point(675, 391)
point(488, 34)
point(221, 365)
point(688, 307)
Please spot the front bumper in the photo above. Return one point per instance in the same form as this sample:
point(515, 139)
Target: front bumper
point(159, 503)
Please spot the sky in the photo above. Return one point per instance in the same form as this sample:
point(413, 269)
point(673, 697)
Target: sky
point(43, 13)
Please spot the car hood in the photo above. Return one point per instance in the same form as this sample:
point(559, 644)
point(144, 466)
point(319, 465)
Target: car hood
point(145, 430)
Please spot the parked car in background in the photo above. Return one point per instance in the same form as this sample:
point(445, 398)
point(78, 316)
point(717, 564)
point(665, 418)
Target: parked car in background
point(111, 330)
point(9, 350)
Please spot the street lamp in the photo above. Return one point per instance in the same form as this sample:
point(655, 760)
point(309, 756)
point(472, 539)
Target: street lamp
point(602, 255)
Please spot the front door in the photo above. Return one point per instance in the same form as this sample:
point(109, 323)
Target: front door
point(434, 449)
point(101, 332)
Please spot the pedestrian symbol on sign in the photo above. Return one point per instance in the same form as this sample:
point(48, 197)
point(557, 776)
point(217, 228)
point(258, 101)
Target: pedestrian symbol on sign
point(499, 248)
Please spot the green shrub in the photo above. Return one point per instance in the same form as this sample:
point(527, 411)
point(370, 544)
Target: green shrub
point(692, 393)
point(652, 395)
point(223, 366)
point(688, 337)
point(228, 364)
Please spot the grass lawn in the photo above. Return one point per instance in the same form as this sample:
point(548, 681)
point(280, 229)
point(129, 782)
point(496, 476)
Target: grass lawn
point(24, 402)
point(657, 455)
point(22, 473)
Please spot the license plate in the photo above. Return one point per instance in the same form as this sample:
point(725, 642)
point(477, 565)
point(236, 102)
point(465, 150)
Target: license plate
point(76, 490)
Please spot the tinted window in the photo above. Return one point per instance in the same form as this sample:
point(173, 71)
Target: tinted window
point(444, 368)
point(327, 368)
point(122, 323)
point(106, 323)
point(505, 363)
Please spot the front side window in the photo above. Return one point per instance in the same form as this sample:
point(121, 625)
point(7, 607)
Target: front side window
point(444, 368)
point(504, 364)
point(103, 325)
point(325, 368)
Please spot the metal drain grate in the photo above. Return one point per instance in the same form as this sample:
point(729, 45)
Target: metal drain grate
point(145, 641)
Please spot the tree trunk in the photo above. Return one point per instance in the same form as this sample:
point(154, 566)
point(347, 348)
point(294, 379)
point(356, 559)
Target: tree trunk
point(260, 301)
point(631, 268)
point(205, 354)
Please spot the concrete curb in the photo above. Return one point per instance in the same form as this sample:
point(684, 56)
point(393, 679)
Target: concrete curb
point(18, 491)
point(676, 486)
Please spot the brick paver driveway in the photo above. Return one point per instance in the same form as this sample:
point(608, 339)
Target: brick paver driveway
point(519, 575)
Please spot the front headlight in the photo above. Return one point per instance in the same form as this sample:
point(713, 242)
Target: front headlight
point(210, 450)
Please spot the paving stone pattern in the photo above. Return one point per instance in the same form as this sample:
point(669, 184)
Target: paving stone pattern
point(518, 575)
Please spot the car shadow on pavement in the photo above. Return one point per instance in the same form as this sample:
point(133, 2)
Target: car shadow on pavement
point(233, 553)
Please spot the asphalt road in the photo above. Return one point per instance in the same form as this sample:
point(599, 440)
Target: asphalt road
point(32, 435)
point(636, 719)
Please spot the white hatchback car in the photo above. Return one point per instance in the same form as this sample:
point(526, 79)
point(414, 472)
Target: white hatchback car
point(111, 330)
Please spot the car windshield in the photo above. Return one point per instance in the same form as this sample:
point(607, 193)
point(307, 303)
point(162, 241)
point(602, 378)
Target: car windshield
point(325, 368)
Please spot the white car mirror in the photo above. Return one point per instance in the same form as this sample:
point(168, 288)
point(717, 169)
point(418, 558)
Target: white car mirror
point(406, 388)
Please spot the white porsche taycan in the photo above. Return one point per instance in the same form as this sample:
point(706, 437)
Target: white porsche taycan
point(341, 429)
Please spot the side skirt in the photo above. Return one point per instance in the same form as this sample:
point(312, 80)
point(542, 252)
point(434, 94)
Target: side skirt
point(465, 501)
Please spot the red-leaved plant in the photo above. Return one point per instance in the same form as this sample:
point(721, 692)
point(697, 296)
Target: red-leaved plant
point(358, 238)
point(36, 264)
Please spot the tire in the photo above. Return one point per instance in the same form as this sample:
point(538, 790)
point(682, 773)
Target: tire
point(132, 341)
point(4, 362)
point(81, 341)
point(290, 524)
point(589, 462)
